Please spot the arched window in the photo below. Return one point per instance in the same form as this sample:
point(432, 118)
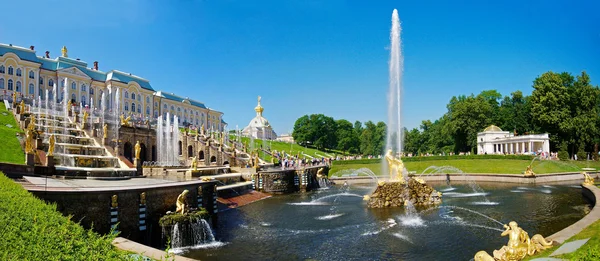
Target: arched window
point(179, 110)
point(155, 114)
point(62, 83)
point(92, 91)
point(83, 100)
point(31, 75)
point(1, 83)
point(133, 96)
point(133, 106)
point(73, 98)
point(147, 99)
point(10, 70)
point(50, 82)
point(1, 68)
point(18, 86)
point(126, 106)
point(41, 80)
point(31, 89)
point(10, 85)
point(165, 106)
point(73, 86)
point(147, 110)
point(41, 92)
point(172, 108)
point(83, 88)
point(126, 95)
point(139, 108)
point(19, 72)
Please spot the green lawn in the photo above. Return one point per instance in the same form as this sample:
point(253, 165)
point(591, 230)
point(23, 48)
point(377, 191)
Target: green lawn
point(500, 166)
point(289, 148)
point(11, 150)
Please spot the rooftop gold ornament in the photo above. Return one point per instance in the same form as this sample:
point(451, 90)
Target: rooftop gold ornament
point(64, 51)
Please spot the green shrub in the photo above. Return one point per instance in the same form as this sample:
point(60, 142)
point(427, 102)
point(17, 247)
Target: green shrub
point(33, 230)
point(581, 155)
point(192, 217)
point(431, 158)
point(563, 153)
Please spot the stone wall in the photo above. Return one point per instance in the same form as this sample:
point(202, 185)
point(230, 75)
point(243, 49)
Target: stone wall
point(92, 208)
point(288, 180)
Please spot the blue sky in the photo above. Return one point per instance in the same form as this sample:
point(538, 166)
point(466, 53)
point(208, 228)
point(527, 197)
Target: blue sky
point(326, 56)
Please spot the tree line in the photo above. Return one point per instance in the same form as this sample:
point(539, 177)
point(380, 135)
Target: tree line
point(562, 105)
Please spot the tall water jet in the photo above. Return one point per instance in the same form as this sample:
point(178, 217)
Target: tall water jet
point(394, 124)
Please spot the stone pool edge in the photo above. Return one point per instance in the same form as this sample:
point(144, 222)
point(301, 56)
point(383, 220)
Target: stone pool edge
point(593, 193)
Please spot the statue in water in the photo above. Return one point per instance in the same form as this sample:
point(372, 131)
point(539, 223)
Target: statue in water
point(52, 141)
point(588, 180)
point(394, 165)
point(182, 202)
point(138, 150)
point(529, 172)
point(518, 247)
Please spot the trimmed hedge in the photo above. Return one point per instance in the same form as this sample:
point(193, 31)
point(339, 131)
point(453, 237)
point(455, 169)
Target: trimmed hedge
point(432, 158)
point(30, 229)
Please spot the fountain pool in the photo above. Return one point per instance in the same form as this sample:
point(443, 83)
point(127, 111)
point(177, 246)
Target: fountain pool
point(335, 224)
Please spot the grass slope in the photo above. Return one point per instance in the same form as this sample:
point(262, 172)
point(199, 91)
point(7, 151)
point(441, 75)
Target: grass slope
point(33, 230)
point(289, 148)
point(10, 150)
point(500, 166)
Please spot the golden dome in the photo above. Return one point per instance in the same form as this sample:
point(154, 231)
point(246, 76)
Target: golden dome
point(492, 128)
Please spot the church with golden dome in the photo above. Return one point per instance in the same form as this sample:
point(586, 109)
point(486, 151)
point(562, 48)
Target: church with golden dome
point(259, 127)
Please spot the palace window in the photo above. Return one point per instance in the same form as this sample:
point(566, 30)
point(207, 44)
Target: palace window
point(73, 98)
point(126, 106)
point(1, 83)
point(147, 99)
point(31, 75)
point(1, 68)
point(126, 95)
point(73, 86)
point(83, 88)
point(19, 72)
point(83, 100)
point(147, 110)
point(139, 97)
point(50, 82)
point(31, 88)
point(41, 80)
point(139, 109)
point(133, 106)
point(172, 108)
point(92, 91)
point(41, 92)
point(18, 86)
point(179, 110)
point(10, 70)
point(132, 97)
point(155, 114)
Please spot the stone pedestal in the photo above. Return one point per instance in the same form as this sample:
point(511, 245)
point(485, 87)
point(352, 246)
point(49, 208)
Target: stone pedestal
point(138, 165)
point(50, 161)
point(103, 141)
point(77, 119)
point(94, 133)
point(18, 109)
point(29, 159)
point(39, 143)
point(70, 113)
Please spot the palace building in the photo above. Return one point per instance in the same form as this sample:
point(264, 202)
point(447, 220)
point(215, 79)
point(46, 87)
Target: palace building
point(32, 76)
point(494, 140)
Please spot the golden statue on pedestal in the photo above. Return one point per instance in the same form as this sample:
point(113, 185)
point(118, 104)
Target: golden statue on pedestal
point(529, 172)
point(69, 106)
point(29, 146)
point(518, 247)
point(51, 142)
point(202, 130)
point(588, 180)
point(143, 198)
point(14, 96)
point(105, 131)
point(84, 118)
point(194, 163)
point(182, 202)
point(22, 106)
point(394, 165)
point(138, 150)
point(113, 201)
point(125, 121)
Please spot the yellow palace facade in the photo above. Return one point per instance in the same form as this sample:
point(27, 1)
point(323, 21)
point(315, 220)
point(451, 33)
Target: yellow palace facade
point(32, 76)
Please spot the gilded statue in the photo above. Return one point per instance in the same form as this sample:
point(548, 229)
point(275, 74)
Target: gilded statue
point(22, 106)
point(105, 131)
point(51, 142)
point(138, 150)
point(125, 121)
point(394, 165)
point(588, 180)
point(182, 202)
point(518, 247)
point(31, 125)
point(194, 163)
point(29, 145)
point(320, 173)
point(113, 201)
point(14, 96)
point(84, 118)
point(69, 105)
point(202, 129)
point(143, 198)
point(221, 140)
point(529, 172)
point(64, 51)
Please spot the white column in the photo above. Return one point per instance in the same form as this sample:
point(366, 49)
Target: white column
point(522, 147)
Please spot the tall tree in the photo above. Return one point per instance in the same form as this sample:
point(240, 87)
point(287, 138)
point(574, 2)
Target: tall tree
point(347, 140)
